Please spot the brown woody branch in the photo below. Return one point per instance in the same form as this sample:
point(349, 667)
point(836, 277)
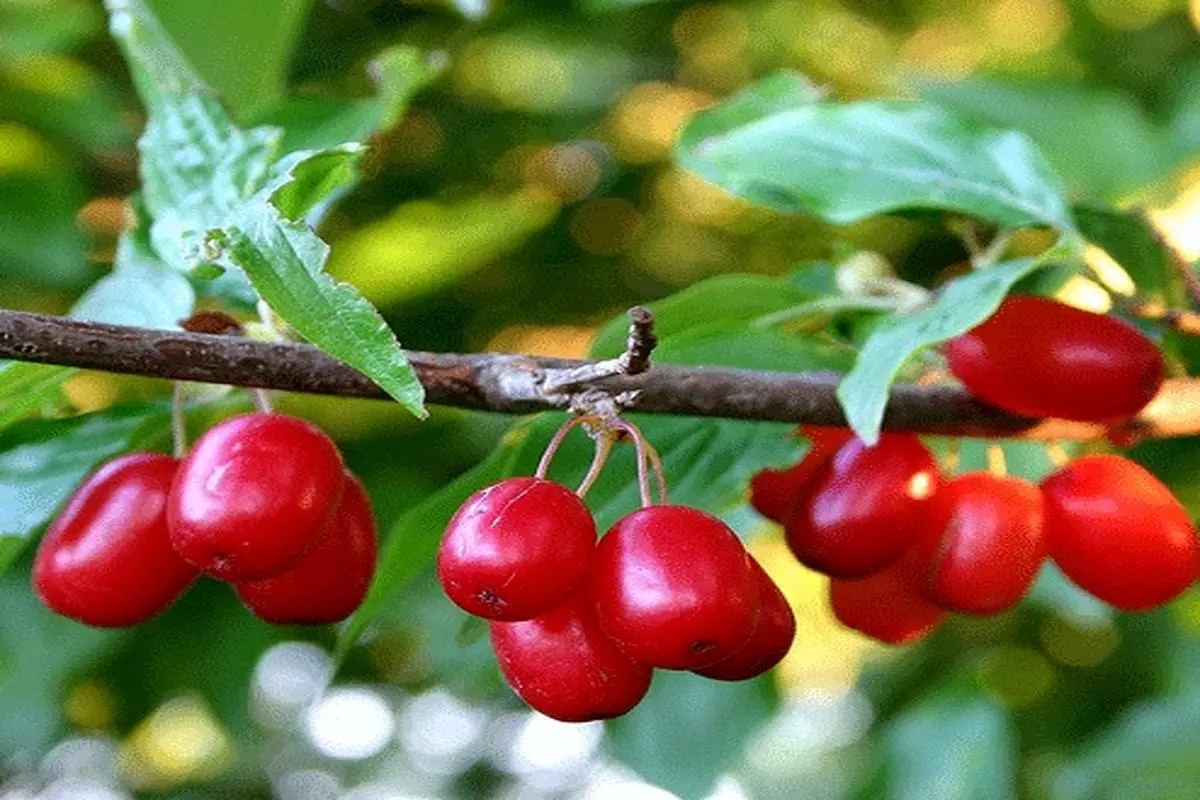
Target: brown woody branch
point(512, 383)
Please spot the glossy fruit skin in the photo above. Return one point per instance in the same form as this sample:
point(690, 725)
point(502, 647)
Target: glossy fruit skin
point(254, 496)
point(865, 507)
point(987, 542)
point(1119, 533)
point(1040, 358)
point(106, 560)
point(772, 491)
point(886, 606)
point(675, 588)
point(770, 641)
point(329, 583)
point(563, 665)
point(516, 549)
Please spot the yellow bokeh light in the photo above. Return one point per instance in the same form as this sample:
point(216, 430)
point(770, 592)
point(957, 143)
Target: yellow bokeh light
point(1026, 27)
point(1180, 221)
point(179, 742)
point(1084, 293)
point(50, 73)
point(91, 391)
point(648, 118)
point(569, 171)
point(555, 341)
point(22, 150)
point(689, 198)
point(1110, 274)
point(945, 47)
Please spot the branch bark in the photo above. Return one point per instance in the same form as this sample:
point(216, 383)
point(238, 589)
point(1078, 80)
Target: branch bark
point(510, 383)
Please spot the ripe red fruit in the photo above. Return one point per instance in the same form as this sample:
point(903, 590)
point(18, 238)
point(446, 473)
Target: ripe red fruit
point(254, 496)
point(1118, 532)
point(886, 606)
point(675, 588)
point(106, 559)
point(1044, 359)
point(986, 541)
point(864, 508)
point(772, 491)
point(563, 665)
point(331, 581)
point(770, 641)
point(516, 549)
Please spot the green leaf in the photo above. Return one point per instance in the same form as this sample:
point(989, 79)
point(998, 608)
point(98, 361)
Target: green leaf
point(218, 193)
point(963, 304)
point(847, 162)
point(1131, 241)
point(752, 348)
point(723, 299)
point(141, 290)
point(283, 260)
point(40, 654)
point(951, 748)
point(1150, 754)
point(1100, 140)
point(688, 730)
point(242, 51)
point(42, 461)
point(26, 387)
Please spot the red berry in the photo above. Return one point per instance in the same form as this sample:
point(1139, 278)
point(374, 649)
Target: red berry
point(563, 665)
point(987, 542)
point(331, 581)
point(886, 606)
point(675, 587)
point(1040, 358)
point(770, 641)
point(516, 549)
point(772, 491)
point(106, 559)
point(254, 495)
point(1118, 532)
point(865, 507)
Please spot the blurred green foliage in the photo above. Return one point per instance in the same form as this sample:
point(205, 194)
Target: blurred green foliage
point(527, 197)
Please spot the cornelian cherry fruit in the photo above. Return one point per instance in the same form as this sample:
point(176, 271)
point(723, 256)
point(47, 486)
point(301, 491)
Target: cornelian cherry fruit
point(254, 496)
point(675, 588)
point(1119, 533)
point(516, 549)
point(563, 665)
point(772, 491)
point(770, 641)
point(331, 581)
point(987, 542)
point(1040, 358)
point(106, 560)
point(864, 508)
point(886, 606)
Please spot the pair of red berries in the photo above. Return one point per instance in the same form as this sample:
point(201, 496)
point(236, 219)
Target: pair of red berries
point(578, 627)
point(903, 546)
point(262, 501)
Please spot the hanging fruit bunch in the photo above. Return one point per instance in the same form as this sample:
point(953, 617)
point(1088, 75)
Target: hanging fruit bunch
point(578, 627)
point(262, 501)
point(904, 545)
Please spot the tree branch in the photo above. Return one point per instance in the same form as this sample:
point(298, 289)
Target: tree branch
point(510, 383)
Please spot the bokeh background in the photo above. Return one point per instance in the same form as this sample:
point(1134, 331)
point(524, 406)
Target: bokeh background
point(527, 198)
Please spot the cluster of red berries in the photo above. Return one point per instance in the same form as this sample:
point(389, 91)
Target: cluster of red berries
point(262, 501)
point(903, 545)
point(578, 627)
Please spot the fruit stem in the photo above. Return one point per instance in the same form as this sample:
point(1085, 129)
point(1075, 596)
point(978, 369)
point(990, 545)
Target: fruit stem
point(647, 458)
point(555, 442)
point(1057, 454)
point(178, 422)
point(262, 400)
point(996, 463)
point(604, 444)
